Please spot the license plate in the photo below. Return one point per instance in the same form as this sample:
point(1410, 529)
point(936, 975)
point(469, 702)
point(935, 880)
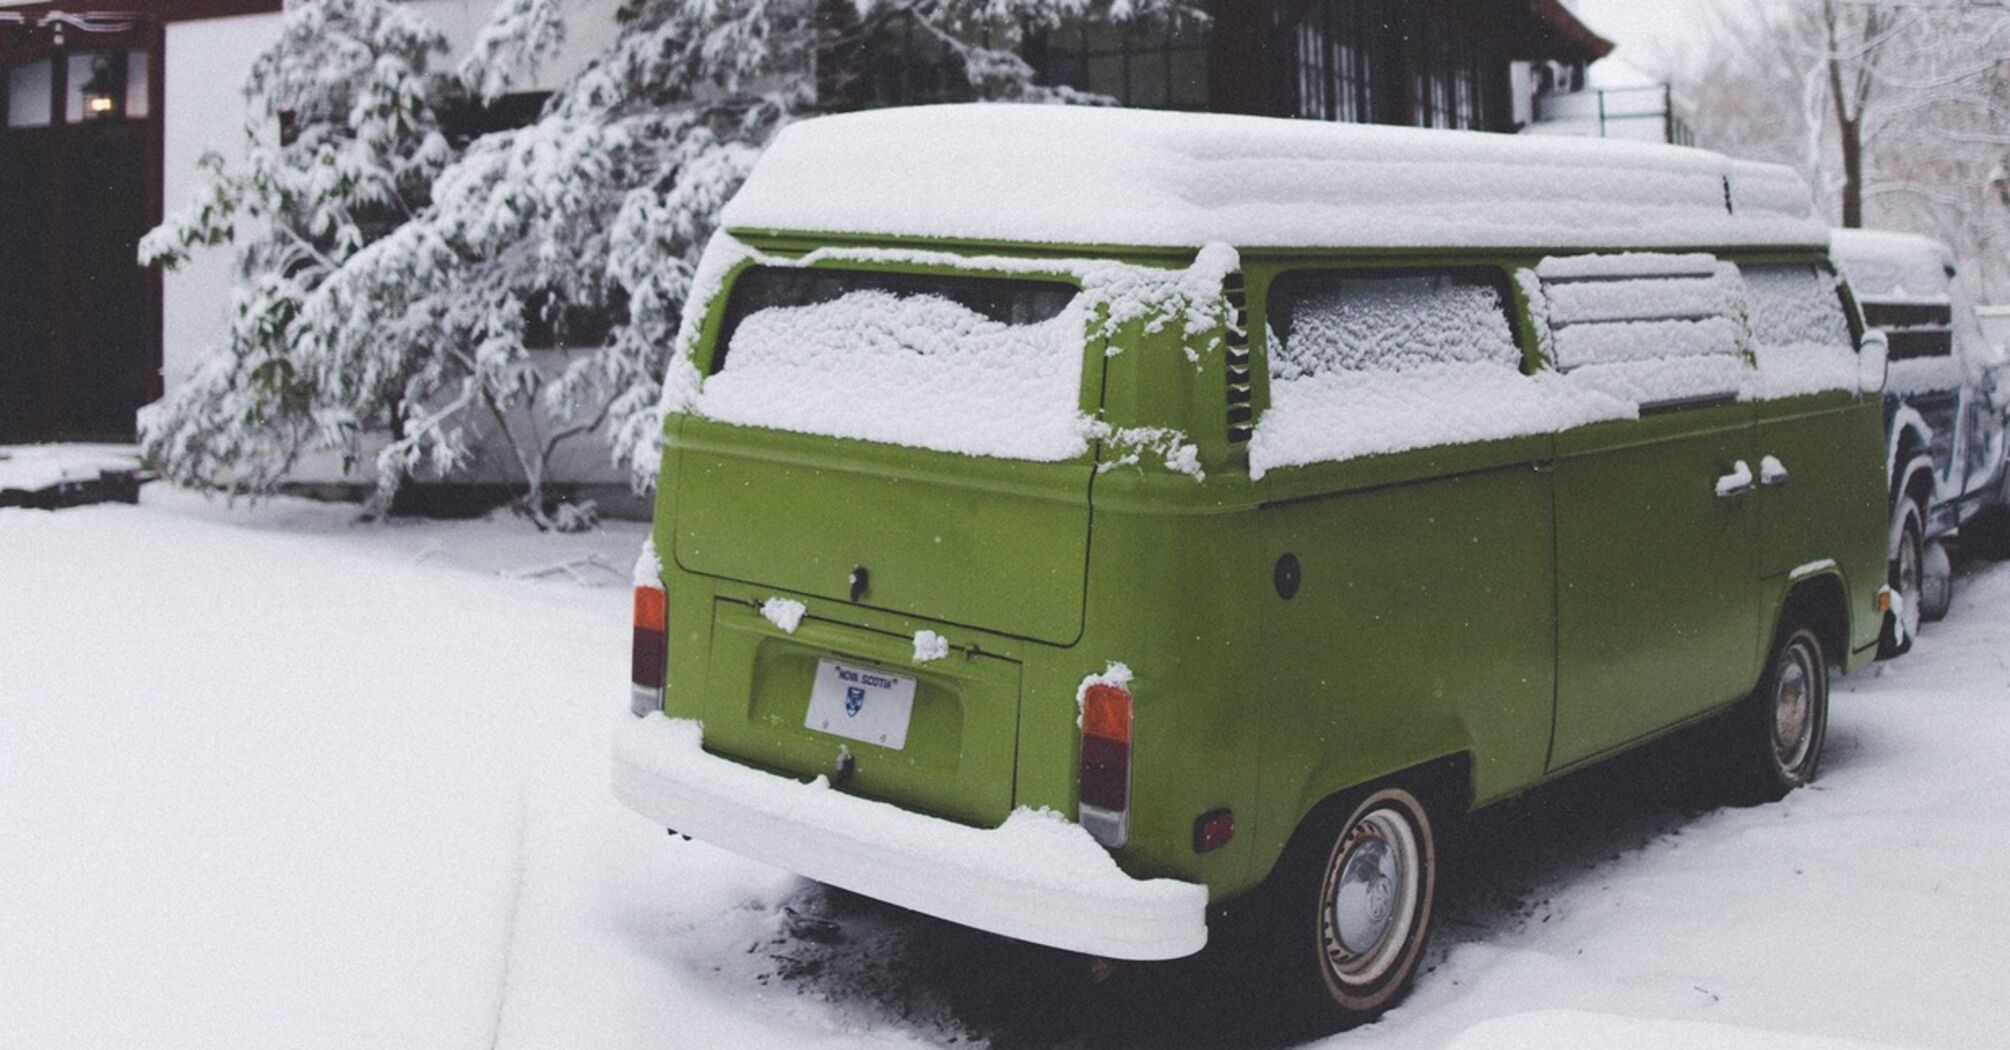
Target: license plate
point(860, 703)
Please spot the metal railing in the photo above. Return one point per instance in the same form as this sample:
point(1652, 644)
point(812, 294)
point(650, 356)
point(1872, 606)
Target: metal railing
point(1612, 108)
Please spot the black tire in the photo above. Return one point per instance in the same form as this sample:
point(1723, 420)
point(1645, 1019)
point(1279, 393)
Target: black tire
point(1351, 910)
point(1778, 733)
point(1903, 573)
point(1936, 583)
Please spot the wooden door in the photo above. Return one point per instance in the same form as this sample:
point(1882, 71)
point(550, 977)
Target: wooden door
point(79, 186)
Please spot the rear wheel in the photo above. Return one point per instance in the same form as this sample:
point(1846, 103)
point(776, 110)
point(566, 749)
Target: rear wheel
point(1350, 920)
point(1904, 574)
point(1779, 732)
point(1936, 583)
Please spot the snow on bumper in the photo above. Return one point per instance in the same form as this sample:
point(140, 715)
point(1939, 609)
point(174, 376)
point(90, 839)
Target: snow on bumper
point(1038, 877)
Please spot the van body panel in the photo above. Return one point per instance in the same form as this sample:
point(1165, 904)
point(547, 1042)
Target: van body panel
point(1657, 582)
point(1831, 445)
point(1185, 582)
point(957, 759)
point(993, 544)
point(1424, 624)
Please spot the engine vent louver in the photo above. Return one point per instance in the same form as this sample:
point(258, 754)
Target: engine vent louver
point(1240, 409)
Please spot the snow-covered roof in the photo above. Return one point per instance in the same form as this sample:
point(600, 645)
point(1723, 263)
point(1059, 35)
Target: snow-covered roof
point(1094, 176)
point(1888, 264)
point(1887, 243)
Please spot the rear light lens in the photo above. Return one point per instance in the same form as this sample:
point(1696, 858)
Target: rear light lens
point(1212, 830)
point(646, 663)
point(1105, 797)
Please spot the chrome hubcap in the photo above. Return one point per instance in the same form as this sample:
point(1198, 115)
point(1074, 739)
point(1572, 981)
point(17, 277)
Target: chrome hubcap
point(1371, 897)
point(1794, 708)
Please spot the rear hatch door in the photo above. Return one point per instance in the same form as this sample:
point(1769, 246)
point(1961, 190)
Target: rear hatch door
point(880, 443)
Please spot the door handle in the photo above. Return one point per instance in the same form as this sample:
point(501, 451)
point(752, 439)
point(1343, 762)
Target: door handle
point(1772, 472)
point(1737, 482)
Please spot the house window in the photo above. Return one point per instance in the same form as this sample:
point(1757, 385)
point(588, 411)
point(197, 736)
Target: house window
point(106, 85)
point(879, 59)
point(1458, 80)
point(465, 119)
point(1440, 57)
point(552, 322)
point(1346, 52)
point(28, 95)
point(1145, 63)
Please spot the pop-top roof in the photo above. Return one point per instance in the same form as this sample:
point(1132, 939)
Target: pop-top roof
point(1125, 177)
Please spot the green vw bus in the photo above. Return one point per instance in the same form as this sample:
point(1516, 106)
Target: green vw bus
point(1072, 521)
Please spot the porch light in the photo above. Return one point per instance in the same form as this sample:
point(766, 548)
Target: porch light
point(104, 92)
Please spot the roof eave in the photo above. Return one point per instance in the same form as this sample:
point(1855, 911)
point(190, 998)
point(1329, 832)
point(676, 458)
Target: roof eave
point(1560, 35)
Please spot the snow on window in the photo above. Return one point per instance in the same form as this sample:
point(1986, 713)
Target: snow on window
point(1362, 364)
point(1795, 305)
point(1106, 296)
point(1335, 321)
point(1800, 336)
point(1649, 328)
point(972, 365)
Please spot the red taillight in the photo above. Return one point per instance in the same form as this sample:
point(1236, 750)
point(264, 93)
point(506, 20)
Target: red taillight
point(646, 660)
point(1105, 798)
point(1212, 830)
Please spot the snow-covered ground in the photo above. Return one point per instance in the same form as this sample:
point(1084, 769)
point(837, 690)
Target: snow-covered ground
point(269, 778)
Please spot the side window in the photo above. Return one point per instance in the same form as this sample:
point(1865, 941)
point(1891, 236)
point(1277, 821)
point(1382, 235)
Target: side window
point(1365, 363)
point(1326, 322)
point(1663, 331)
point(1801, 337)
point(1795, 305)
point(1918, 327)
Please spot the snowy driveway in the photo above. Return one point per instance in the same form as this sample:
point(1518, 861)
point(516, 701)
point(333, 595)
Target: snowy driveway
point(270, 780)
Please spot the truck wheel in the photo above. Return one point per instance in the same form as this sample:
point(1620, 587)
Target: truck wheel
point(1903, 574)
point(1936, 583)
point(1352, 918)
point(1780, 730)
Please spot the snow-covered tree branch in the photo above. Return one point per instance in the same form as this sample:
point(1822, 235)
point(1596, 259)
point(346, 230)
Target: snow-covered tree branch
point(342, 147)
point(526, 292)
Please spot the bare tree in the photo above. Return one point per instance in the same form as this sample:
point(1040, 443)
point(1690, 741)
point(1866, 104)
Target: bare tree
point(1898, 110)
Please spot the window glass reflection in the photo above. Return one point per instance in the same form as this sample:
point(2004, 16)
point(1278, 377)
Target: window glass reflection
point(28, 87)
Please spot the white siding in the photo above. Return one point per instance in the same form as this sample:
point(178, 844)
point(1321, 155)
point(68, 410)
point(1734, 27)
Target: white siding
point(203, 109)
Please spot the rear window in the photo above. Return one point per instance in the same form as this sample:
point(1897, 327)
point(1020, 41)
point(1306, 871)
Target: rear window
point(975, 365)
point(1916, 327)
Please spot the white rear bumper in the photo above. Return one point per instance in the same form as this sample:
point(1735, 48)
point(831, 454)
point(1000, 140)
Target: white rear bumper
point(1038, 877)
